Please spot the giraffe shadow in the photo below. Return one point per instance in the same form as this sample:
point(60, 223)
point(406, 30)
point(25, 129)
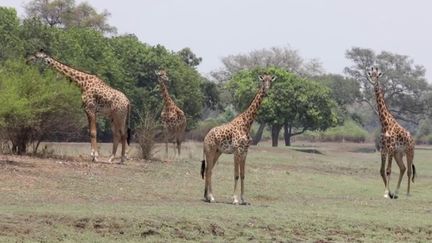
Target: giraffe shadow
point(310, 151)
point(227, 203)
point(364, 150)
point(13, 163)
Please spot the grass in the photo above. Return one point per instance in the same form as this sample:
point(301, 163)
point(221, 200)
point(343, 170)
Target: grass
point(321, 192)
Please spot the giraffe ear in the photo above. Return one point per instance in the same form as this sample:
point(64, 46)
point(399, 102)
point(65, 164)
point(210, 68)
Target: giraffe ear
point(380, 74)
point(273, 78)
point(260, 77)
point(157, 72)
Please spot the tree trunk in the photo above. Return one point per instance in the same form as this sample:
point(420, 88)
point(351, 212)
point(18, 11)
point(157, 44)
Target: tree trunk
point(21, 148)
point(275, 134)
point(257, 138)
point(287, 134)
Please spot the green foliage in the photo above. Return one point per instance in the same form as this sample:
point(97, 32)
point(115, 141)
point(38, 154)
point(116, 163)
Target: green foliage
point(345, 91)
point(424, 132)
point(300, 103)
point(212, 98)
point(350, 131)
point(10, 44)
point(64, 13)
point(202, 128)
point(404, 83)
point(189, 57)
point(139, 63)
point(123, 62)
point(36, 105)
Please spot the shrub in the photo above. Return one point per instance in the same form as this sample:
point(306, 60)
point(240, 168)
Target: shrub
point(145, 133)
point(349, 131)
point(35, 106)
point(202, 129)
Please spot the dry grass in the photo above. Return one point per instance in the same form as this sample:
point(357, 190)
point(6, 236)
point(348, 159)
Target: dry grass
point(319, 192)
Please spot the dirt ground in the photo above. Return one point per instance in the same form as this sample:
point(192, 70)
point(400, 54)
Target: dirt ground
point(318, 192)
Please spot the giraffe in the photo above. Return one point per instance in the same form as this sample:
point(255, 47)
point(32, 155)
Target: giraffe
point(173, 118)
point(97, 97)
point(395, 140)
point(232, 138)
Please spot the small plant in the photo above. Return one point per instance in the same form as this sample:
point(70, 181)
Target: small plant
point(145, 134)
point(5, 147)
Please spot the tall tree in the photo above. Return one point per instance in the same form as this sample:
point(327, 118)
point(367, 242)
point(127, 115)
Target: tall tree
point(345, 91)
point(189, 57)
point(404, 82)
point(36, 106)
point(10, 42)
point(64, 13)
point(281, 57)
point(294, 103)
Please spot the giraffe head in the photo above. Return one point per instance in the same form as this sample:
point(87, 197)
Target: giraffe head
point(162, 76)
point(373, 75)
point(266, 81)
point(40, 55)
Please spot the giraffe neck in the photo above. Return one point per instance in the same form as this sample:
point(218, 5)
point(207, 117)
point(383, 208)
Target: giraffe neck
point(386, 118)
point(78, 77)
point(165, 95)
point(248, 116)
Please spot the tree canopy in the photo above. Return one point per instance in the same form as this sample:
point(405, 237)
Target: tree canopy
point(404, 83)
point(124, 62)
point(66, 14)
point(36, 106)
point(293, 103)
point(281, 57)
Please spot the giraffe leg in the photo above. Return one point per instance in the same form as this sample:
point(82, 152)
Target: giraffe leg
point(123, 138)
point(236, 177)
point(116, 138)
point(178, 141)
point(93, 134)
point(166, 141)
point(242, 177)
point(214, 155)
point(387, 192)
point(180, 137)
point(400, 163)
point(410, 157)
point(382, 170)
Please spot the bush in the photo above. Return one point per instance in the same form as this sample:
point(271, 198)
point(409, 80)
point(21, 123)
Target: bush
point(426, 139)
point(146, 132)
point(35, 106)
point(202, 129)
point(350, 131)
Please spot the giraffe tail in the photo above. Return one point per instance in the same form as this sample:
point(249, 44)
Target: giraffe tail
point(203, 165)
point(414, 172)
point(202, 168)
point(129, 130)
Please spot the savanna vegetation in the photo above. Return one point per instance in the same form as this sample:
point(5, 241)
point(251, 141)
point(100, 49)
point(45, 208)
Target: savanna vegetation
point(308, 191)
point(304, 99)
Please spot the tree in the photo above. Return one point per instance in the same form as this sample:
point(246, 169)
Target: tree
point(139, 62)
point(189, 57)
point(293, 103)
point(280, 57)
point(345, 91)
point(124, 62)
point(36, 106)
point(10, 42)
point(211, 95)
point(404, 83)
point(64, 13)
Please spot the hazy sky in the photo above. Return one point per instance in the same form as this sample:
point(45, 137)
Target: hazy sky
point(318, 29)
